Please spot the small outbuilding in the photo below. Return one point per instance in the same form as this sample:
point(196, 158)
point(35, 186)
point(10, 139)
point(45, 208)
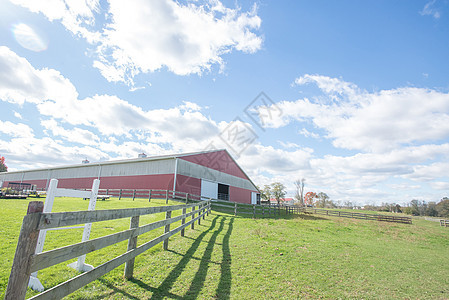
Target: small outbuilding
point(213, 174)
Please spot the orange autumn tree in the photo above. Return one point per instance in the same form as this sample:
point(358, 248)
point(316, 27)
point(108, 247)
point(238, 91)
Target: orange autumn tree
point(308, 199)
point(3, 167)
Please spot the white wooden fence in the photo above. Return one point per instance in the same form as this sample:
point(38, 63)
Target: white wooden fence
point(27, 261)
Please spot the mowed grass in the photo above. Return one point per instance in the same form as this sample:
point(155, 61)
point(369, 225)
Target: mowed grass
point(227, 257)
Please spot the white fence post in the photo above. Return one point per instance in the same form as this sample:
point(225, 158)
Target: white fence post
point(52, 192)
point(80, 265)
point(34, 282)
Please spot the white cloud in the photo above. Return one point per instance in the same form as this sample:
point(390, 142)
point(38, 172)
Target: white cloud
point(379, 121)
point(31, 152)
point(16, 130)
point(440, 185)
point(20, 82)
point(145, 36)
point(186, 39)
point(430, 10)
point(93, 119)
point(18, 115)
point(76, 15)
point(307, 133)
point(76, 135)
point(267, 159)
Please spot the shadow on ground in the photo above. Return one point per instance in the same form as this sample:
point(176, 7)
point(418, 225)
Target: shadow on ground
point(219, 224)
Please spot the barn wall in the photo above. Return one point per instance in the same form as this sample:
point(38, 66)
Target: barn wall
point(219, 161)
point(239, 195)
point(164, 166)
point(159, 181)
point(189, 185)
point(40, 184)
point(190, 169)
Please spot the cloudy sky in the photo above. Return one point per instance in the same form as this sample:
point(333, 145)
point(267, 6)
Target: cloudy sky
point(351, 95)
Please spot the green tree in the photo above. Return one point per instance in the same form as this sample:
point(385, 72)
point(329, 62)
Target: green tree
point(265, 193)
point(278, 191)
point(323, 200)
point(443, 208)
point(3, 167)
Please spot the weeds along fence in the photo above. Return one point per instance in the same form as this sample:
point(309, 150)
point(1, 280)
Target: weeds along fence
point(352, 215)
point(444, 223)
point(246, 209)
point(26, 261)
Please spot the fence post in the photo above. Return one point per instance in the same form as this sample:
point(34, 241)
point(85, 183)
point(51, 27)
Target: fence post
point(199, 213)
point(192, 226)
point(205, 210)
point(235, 208)
point(254, 211)
point(134, 194)
point(132, 243)
point(263, 211)
point(209, 205)
point(183, 221)
point(120, 194)
point(167, 229)
point(166, 196)
point(187, 197)
point(107, 192)
point(149, 196)
point(26, 246)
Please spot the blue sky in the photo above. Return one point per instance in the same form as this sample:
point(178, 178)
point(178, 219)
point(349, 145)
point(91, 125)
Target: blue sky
point(355, 93)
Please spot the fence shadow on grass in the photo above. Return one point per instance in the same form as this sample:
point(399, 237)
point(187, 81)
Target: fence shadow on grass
point(224, 285)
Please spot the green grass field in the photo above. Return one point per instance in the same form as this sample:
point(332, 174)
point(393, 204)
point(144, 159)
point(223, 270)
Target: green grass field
point(227, 257)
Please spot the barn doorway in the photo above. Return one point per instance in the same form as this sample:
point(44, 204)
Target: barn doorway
point(223, 192)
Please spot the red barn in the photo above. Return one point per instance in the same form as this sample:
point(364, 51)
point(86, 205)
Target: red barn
point(212, 174)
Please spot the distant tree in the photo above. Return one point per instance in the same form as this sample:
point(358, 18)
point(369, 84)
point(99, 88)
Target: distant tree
point(348, 204)
point(309, 198)
point(265, 193)
point(299, 195)
point(3, 167)
point(278, 191)
point(443, 208)
point(431, 209)
point(323, 200)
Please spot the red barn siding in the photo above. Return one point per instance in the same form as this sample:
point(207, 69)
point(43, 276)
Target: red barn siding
point(159, 181)
point(40, 183)
point(239, 195)
point(187, 184)
point(219, 160)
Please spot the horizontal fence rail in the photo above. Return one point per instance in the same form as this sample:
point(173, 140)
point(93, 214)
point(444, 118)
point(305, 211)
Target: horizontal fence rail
point(149, 194)
point(26, 261)
point(344, 214)
point(246, 209)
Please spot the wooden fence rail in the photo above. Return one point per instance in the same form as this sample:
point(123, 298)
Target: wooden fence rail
point(26, 261)
point(344, 214)
point(444, 223)
point(149, 194)
point(247, 209)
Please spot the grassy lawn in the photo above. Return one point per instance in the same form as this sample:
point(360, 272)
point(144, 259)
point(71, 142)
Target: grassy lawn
point(229, 257)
